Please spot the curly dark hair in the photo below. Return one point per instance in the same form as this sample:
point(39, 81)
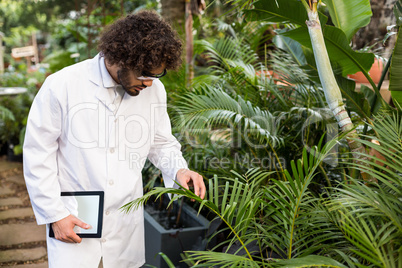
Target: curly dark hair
point(141, 42)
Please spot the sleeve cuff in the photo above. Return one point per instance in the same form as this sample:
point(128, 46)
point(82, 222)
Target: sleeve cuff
point(52, 219)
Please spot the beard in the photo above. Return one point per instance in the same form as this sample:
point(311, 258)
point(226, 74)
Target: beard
point(124, 80)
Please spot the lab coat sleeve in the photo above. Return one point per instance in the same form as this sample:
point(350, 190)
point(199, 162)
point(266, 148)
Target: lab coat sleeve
point(165, 151)
point(40, 156)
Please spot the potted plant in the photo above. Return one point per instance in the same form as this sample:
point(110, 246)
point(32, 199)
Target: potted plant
point(12, 130)
point(170, 227)
point(15, 109)
point(172, 231)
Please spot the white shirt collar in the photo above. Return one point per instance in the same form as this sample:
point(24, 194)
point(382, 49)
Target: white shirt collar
point(106, 77)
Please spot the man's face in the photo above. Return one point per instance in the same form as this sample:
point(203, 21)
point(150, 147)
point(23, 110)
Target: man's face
point(133, 83)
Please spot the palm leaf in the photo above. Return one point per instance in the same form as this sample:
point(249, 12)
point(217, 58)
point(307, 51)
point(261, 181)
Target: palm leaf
point(339, 51)
point(355, 101)
point(371, 215)
point(349, 15)
point(289, 11)
point(217, 259)
point(337, 43)
point(214, 108)
point(224, 52)
point(290, 207)
point(293, 47)
point(236, 204)
point(311, 261)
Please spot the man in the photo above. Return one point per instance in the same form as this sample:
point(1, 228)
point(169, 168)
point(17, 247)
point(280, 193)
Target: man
point(91, 127)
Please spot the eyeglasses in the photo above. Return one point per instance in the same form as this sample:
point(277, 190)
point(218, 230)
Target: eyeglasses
point(149, 76)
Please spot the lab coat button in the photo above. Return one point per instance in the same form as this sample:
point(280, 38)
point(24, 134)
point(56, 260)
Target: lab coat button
point(111, 182)
point(103, 240)
point(111, 150)
point(107, 212)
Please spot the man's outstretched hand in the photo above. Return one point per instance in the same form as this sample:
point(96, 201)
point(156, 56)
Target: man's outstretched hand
point(188, 178)
point(63, 229)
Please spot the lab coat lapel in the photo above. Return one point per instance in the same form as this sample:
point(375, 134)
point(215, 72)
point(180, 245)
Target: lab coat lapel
point(95, 77)
point(127, 102)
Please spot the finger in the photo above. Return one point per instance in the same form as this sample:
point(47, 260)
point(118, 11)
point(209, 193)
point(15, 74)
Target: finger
point(81, 224)
point(203, 188)
point(68, 238)
point(196, 184)
point(190, 179)
point(75, 238)
point(185, 183)
point(200, 187)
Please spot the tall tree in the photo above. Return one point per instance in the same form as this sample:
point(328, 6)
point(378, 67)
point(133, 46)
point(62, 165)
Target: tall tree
point(174, 11)
point(180, 13)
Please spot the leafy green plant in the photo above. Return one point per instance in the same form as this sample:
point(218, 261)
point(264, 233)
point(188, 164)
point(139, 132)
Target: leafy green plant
point(284, 221)
point(395, 71)
point(57, 60)
point(370, 215)
point(14, 109)
point(6, 114)
point(327, 42)
point(354, 224)
point(13, 126)
point(240, 203)
point(243, 107)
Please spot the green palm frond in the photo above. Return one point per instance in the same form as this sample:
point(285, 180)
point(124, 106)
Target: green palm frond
point(370, 215)
point(389, 130)
point(210, 78)
point(258, 35)
point(222, 26)
point(376, 240)
point(305, 91)
point(294, 212)
point(294, 220)
point(228, 52)
point(217, 259)
point(310, 261)
point(235, 203)
point(214, 108)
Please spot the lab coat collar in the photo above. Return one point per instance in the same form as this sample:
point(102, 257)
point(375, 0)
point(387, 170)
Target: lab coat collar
point(107, 79)
point(100, 79)
point(94, 71)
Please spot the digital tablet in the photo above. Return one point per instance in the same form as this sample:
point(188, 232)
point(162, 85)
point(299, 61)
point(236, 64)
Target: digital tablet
point(88, 207)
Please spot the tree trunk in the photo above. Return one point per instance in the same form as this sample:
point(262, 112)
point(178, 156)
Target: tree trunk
point(375, 31)
point(179, 13)
point(173, 12)
point(331, 89)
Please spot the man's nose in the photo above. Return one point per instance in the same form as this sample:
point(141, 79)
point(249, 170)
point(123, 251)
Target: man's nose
point(147, 83)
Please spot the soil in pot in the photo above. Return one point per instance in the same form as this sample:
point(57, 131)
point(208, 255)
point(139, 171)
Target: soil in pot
point(169, 218)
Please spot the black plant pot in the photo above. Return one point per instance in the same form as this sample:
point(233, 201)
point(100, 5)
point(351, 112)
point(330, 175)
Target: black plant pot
point(173, 242)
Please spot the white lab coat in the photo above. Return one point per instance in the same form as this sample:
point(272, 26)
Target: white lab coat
point(74, 142)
